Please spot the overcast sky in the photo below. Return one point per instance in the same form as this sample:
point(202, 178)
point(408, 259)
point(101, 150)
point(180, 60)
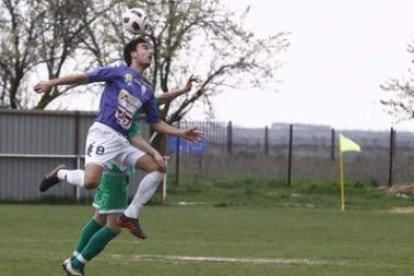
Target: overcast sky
point(341, 52)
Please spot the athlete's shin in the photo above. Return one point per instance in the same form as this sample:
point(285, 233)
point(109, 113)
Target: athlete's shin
point(145, 191)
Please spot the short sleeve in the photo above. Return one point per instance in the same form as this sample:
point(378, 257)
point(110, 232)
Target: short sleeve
point(152, 112)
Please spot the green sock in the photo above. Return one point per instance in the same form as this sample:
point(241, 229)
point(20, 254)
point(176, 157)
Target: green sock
point(87, 233)
point(95, 246)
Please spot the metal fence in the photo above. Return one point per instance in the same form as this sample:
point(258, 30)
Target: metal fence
point(32, 142)
point(296, 152)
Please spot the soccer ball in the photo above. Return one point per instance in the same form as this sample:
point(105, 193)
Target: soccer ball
point(136, 21)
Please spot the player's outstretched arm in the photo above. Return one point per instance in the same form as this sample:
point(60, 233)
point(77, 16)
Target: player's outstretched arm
point(193, 134)
point(75, 79)
point(171, 95)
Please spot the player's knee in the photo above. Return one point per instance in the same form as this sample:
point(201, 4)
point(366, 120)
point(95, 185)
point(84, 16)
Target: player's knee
point(150, 167)
point(113, 223)
point(92, 176)
point(153, 168)
point(158, 176)
point(90, 184)
point(100, 218)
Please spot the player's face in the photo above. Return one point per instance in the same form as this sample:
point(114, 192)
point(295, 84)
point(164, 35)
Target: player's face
point(143, 54)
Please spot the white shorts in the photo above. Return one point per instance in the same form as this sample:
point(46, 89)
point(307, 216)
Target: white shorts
point(106, 147)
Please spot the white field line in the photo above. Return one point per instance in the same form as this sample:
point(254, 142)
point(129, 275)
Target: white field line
point(210, 259)
point(202, 259)
point(243, 260)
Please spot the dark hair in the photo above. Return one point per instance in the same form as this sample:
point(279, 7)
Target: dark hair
point(130, 47)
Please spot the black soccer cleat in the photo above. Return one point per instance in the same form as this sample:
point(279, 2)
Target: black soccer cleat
point(132, 225)
point(50, 179)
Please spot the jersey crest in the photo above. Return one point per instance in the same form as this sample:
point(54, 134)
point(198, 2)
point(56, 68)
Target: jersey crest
point(128, 79)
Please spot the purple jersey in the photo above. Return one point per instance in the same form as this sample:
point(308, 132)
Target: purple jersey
point(124, 95)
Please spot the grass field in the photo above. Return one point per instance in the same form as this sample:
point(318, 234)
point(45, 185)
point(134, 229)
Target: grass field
point(207, 240)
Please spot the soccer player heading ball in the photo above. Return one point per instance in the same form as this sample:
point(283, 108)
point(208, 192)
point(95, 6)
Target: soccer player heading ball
point(126, 93)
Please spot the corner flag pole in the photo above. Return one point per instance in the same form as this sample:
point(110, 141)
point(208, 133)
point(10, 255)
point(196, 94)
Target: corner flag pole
point(341, 176)
point(345, 144)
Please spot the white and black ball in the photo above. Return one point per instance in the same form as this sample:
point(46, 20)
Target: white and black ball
point(136, 21)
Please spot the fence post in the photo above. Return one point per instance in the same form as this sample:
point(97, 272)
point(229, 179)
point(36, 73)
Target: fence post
point(229, 137)
point(391, 158)
point(289, 176)
point(77, 189)
point(266, 142)
point(332, 145)
point(177, 158)
point(77, 149)
point(164, 182)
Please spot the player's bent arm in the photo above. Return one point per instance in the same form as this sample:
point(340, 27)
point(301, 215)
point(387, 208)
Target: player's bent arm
point(134, 136)
point(142, 144)
point(192, 134)
point(169, 96)
point(164, 128)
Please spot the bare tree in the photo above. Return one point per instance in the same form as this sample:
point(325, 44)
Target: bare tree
point(400, 102)
point(18, 48)
point(197, 36)
point(46, 34)
point(63, 37)
point(202, 36)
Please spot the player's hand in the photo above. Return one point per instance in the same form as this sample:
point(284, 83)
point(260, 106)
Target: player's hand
point(193, 135)
point(42, 87)
point(190, 81)
point(162, 167)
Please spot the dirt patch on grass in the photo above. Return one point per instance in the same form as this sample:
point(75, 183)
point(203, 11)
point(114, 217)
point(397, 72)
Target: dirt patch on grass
point(402, 190)
point(403, 210)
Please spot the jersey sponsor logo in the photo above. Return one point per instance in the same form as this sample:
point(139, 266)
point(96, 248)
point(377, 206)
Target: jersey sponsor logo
point(128, 105)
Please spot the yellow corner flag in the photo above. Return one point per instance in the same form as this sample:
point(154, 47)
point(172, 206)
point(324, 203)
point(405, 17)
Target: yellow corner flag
point(346, 144)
